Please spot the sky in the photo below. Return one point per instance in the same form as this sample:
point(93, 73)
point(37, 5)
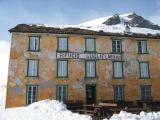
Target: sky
point(13, 12)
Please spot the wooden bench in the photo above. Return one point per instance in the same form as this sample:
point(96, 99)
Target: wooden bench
point(108, 104)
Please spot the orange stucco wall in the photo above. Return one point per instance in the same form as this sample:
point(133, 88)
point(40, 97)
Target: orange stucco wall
point(47, 79)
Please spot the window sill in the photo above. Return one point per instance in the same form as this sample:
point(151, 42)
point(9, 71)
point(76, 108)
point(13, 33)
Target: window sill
point(117, 52)
point(145, 78)
point(62, 51)
point(59, 77)
point(90, 77)
point(33, 50)
point(143, 53)
point(118, 77)
point(90, 51)
point(32, 76)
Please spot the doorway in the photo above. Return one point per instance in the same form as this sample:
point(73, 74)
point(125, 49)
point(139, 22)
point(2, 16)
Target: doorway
point(90, 94)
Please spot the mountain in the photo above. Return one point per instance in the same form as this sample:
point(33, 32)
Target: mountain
point(119, 22)
point(133, 20)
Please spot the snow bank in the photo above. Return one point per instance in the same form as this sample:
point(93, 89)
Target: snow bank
point(42, 110)
point(142, 116)
point(4, 58)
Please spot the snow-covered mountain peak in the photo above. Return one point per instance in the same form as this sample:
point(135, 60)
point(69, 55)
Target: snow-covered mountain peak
point(132, 19)
point(100, 21)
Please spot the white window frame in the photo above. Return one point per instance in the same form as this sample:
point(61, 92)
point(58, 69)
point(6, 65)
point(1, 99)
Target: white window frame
point(142, 47)
point(34, 43)
point(117, 46)
point(33, 67)
point(144, 69)
point(146, 92)
point(62, 68)
point(62, 92)
point(32, 96)
point(118, 71)
point(90, 45)
point(118, 92)
point(62, 44)
point(90, 69)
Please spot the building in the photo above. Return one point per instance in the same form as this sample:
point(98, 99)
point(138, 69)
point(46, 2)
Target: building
point(80, 64)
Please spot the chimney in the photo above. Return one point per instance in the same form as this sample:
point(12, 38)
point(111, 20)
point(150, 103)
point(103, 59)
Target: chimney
point(127, 28)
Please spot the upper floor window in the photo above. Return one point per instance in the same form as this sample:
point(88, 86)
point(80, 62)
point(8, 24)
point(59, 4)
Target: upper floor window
point(62, 92)
point(90, 69)
point(118, 69)
point(62, 68)
point(118, 92)
point(116, 46)
point(146, 92)
point(142, 47)
point(34, 43)
point(62, 44)
point(33, 66)
point(144, 69)
point(32, 93)
point(90, 45)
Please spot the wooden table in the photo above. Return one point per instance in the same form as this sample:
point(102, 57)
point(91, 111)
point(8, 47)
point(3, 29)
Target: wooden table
point(86, 112)
point(96, 108)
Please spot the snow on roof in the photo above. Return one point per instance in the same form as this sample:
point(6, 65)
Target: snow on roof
point(98, 25)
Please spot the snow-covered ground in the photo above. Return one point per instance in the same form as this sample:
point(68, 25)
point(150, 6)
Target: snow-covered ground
point(4, 58)
point(42, 110)
point(54, 110)
point(142, 116)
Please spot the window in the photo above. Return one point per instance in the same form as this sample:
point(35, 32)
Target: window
point(146, 92)
point(118, 69)
point(90, 45)
point(118, 92)
point(32, 91)
point(62, 44)
point(33, 65)
point(90, 69)
point(62, 68)
point(142, 47)
point(62, 92)
point(144, 70)
point(116, 46)
point(34, 43)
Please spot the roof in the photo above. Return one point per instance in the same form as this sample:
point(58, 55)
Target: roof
point(33, 28)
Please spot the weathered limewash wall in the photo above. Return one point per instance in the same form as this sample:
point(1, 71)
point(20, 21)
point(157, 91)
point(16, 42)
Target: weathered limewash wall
point(47, 80)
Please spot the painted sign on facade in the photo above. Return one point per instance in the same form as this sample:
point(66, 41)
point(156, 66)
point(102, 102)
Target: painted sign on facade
point(88, 56)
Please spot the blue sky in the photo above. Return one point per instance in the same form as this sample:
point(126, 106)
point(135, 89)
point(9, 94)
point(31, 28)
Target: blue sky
point(13, 12)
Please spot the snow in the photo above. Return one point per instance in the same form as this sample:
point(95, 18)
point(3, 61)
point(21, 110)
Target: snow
point(54, 110)
point(42, 110)
point(4, 58)
point(97, 25)
point(100, 21)
point(142, 116)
